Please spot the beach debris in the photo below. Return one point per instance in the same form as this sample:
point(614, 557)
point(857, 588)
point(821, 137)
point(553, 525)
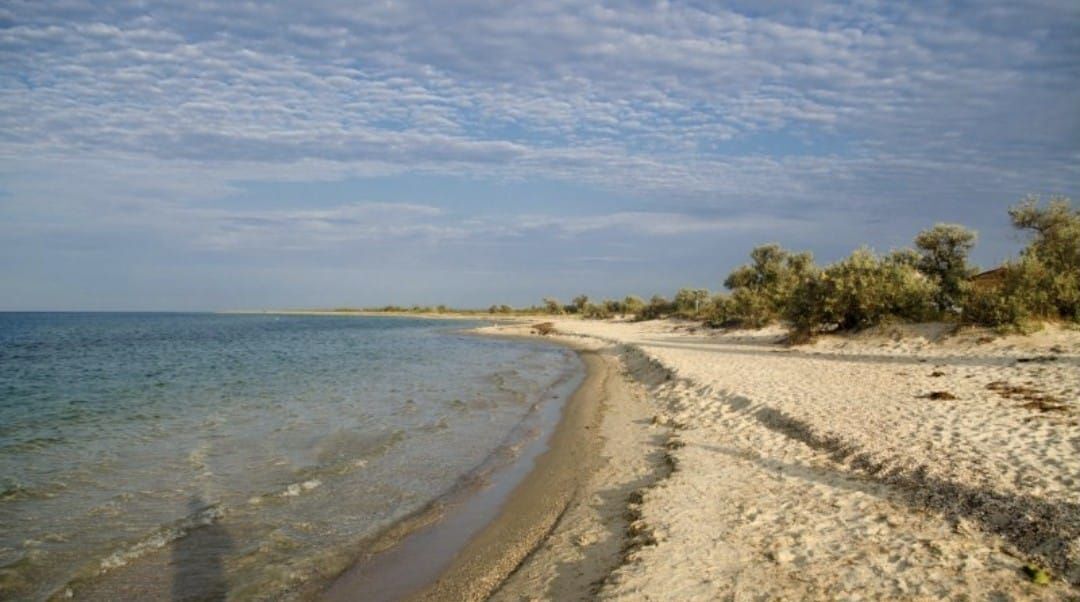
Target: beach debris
point(939, 395)
point(1037, 574)
point(544, 328)
point(937, 373)
point(673, 443)
point(1036, 399)
point(1039, 359)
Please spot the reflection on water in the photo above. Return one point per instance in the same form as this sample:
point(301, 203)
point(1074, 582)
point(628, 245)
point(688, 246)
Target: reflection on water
point(198, 560)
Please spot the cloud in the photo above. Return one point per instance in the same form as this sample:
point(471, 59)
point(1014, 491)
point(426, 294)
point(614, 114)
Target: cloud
point(628, 99)
point(300, 230)
point(677, 119)
point(649, 223)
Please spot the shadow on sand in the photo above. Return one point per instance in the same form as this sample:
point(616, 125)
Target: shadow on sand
point(198, 560)
point(1038, 528)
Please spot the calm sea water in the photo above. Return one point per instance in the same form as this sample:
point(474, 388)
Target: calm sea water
point(171, 452)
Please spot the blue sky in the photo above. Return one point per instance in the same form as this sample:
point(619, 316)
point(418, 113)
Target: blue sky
point(219, 155)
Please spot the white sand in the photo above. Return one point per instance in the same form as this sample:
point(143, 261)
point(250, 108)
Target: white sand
point(823, 471)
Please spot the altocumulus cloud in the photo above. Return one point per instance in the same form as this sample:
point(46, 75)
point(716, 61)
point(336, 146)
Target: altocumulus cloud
point(701, 119)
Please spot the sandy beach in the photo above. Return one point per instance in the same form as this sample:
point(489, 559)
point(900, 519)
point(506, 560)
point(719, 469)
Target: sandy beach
point(902, 463)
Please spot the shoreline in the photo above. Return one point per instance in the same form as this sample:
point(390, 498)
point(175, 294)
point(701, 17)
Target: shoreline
point(535, 505)
point(555, 482)
point(574, 507)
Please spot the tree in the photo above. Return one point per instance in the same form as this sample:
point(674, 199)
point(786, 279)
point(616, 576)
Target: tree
point(859, 291)
point(944, 249)
point(633, 304)
point(1052, 258)
point(658, 307)
point(552, 306)
point(612, 307)
point(1056, 228)
point(763, 289)
point(690, 301)
point(580, 302)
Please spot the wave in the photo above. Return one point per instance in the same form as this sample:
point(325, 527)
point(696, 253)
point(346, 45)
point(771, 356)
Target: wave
point(162, 537)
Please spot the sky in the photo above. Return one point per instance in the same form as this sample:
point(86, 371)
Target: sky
point(225, 154)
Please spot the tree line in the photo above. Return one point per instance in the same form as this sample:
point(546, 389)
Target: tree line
point(933, 280)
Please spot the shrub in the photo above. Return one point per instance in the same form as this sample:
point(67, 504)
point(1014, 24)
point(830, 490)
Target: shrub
point(762, 289)
point(1044, 282)
point(579, 303)
point(860, 291)
point(633, 304)
point(721, 312)
point(752, 309)
point(1052, 258)
point(612, 307)
point(998, 306)
point(658, 307)
point(552, 306)
point(691, 302)
point(944, 250)
point(593, 311)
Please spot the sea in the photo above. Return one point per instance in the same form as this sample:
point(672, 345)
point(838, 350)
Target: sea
point(205, 456)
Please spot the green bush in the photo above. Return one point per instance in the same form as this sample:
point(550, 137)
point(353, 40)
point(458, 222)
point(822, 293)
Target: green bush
point(657, 308)
point(691, 302)
point(1045, 282)
point(944, 250)
point(1002, 306)
point(593, 311)
point(721, 312)
point(633, 304)
point(552, 306)
point(762, 289)
point(753, 309)
point(1051, 261)
point(858, 292)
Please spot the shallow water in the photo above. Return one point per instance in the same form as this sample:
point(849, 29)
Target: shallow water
point(198, 454)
